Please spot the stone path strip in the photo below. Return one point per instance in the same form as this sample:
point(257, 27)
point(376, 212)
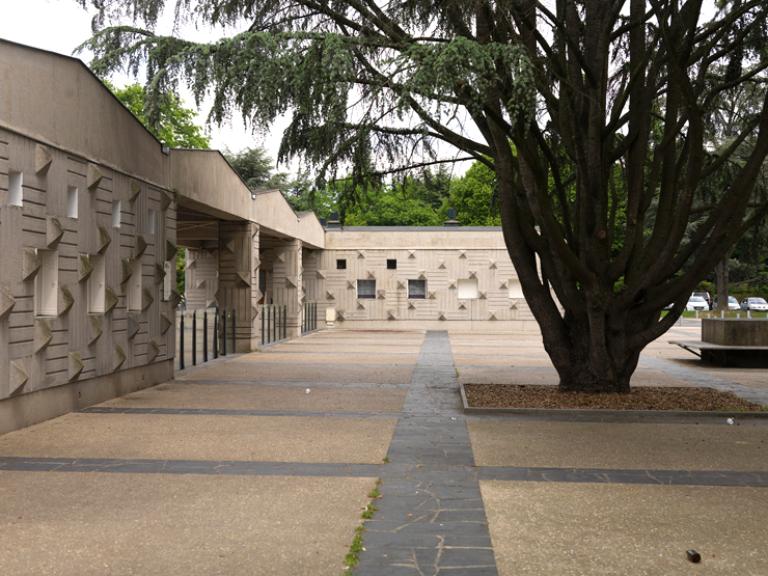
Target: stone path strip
point(430, 516)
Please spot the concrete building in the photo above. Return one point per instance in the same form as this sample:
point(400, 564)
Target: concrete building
point(93, 208)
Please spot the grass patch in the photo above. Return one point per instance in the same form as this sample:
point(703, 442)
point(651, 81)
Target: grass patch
point(353, 556)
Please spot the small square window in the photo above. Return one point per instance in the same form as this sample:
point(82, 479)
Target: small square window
point(341, 264)
point(133, 296)
point(151, 226)
point(467, 289)
point(117, 215)
point(417, 289)
point(15, 193)
point(97, 285)
point(47, 284)
point(72, 194)
point(391, 264)
point(515, 290)
point(366, 289)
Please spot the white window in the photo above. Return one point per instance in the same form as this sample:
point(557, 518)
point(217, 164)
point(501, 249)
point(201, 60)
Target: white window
point(97, 286)
point(366, 288)
point(467, 289)
point(15, 193)
point(133, 296)
point(151, 226)
point(47, 284)
point(72, 194)
point(116, 213)
point(169, 280)
point(515, 290)
point(417, 289)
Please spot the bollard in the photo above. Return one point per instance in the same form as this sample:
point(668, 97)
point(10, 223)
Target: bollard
point(181, 342)
point(205, 335)
point(234, 331)
point(216, 332)
point(194, 337)
point(224, 333)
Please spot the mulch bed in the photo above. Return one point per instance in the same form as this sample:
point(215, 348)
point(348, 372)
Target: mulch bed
point(640, 398)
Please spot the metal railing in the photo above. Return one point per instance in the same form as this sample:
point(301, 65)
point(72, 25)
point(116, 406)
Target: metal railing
point(309, 318)
point(204, 334)
point(273, 322)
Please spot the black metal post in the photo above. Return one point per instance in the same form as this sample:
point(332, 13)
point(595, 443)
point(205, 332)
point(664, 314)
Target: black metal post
point(224, 333)
point(234, 331)
point(285, 320)
point(262, 326)
point(181, 342)
point(216, 332)
point(194, 337)
point(274, 323)
point(205, 335)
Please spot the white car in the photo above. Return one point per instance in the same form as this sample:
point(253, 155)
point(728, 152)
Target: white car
point(754, 304)
point(696, 303)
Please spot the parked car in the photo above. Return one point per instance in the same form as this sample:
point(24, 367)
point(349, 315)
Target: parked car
point(733, 304)
point(706, 295)
point(696, 303)
point(754, 303)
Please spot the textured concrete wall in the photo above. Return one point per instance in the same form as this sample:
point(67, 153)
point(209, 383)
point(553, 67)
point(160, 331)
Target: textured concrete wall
point(72, 343)
point(442, 257)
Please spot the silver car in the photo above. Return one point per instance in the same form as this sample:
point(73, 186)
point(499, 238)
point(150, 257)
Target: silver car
point(753, 303)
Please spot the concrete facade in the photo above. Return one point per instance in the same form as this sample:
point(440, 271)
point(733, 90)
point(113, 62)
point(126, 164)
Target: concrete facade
point(93, 209)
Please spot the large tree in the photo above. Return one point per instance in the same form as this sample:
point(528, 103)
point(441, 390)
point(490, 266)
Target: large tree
point(171, 123)
point(591, 113)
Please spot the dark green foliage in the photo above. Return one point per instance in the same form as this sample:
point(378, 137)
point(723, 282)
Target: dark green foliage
point(256, 169)
point(173, 125)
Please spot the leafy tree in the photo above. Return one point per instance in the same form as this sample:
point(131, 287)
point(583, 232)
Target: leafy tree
point(474, 197)
point(582, 89)
point(172, 124)
point(256, 169)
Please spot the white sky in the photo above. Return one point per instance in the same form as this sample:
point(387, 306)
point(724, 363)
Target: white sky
point(62, 25)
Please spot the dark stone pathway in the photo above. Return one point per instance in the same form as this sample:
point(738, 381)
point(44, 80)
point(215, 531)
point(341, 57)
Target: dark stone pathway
point(430, 517)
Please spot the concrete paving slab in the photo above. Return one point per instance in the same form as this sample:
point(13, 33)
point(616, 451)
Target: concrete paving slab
point(73, 524)
point(234, 370)
point(605, 530)
point(689, 446)
point(254, 396)
point(198, 437)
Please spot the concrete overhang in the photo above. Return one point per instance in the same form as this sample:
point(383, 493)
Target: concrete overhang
point(205, 182)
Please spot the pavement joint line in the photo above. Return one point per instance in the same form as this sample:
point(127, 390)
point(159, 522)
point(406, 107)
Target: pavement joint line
point(236, 412)
point(207, 467)
point(294, 384)
point(425, 473)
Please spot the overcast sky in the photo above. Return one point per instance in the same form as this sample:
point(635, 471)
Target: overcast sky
point(62, 25)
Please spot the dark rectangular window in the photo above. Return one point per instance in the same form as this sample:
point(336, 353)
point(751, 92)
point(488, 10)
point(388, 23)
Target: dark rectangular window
point(341, 264)
point(417, 289)
point(366, 288)
point(392, 264)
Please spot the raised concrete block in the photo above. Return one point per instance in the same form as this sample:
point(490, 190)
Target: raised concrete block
point(735, 331)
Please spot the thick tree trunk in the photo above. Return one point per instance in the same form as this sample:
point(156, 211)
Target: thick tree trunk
point(721, 279)
point(594, 358)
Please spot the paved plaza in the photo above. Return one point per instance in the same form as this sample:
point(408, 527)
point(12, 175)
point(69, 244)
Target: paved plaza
point(263, 464)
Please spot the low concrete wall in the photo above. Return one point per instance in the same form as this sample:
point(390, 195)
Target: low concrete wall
point(21, 411)
point(735, 331)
